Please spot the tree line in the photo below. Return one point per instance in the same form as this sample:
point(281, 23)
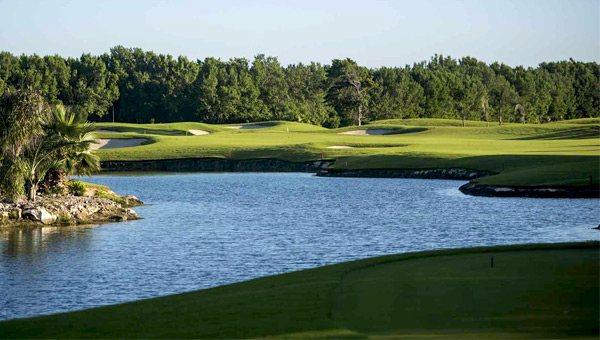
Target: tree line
point(132, 85)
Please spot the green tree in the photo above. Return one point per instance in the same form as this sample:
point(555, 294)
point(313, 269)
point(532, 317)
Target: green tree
point(395, 95)
point(63, 148)
point(502, 96)
point(350, 86)
point(21, 114)
point(92, 86)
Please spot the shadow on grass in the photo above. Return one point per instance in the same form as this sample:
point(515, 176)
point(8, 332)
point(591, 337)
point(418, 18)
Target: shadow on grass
point(407, 130)
point(572, 133)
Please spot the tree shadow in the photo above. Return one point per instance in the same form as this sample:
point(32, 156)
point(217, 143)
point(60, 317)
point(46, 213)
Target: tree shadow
point(572, 133)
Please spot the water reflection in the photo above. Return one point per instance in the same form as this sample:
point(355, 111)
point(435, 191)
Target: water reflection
point(28, 241)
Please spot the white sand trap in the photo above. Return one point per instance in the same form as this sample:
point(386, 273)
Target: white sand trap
point(117, 143)
point(340, 147)
point(198, 132)
point(374, 132)
point(108, 131)
point(246, 127)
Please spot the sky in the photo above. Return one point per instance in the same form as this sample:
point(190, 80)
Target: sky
point(374, 33)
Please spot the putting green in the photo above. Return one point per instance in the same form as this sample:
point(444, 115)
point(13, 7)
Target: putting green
point(532, 292)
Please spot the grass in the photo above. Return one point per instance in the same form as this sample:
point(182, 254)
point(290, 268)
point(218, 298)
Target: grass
point(532, 292)
point(539, 151)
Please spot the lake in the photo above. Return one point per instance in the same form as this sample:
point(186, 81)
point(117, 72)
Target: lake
point(205, 230)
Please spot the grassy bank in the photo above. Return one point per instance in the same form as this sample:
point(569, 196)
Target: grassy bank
point(536, 291)
point(563, 154)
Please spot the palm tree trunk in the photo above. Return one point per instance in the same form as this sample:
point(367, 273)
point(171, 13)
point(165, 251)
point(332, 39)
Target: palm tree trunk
point(31, 190)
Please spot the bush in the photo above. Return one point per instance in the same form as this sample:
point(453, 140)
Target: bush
point(76, 188)
point(55, 190)
point(63, 219)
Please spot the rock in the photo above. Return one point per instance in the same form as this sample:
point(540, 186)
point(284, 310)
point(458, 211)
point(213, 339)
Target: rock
point(66, 209)
point(15, 214)
point(131, 200)
point(118, 218)
point(502, 189)
point(39, 215)
point(131, 215)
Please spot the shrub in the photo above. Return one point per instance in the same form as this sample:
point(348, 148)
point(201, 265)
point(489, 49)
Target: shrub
point(63, 219)
point(55, 190)
point(76, 188)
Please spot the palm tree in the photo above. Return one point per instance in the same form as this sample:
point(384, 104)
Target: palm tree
point(21, 112)
point(39, 156)
point(68, 136)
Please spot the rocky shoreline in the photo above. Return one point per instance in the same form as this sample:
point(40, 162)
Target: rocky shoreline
point(474, 189)
point(215, 165)
point(452, 173)
point(320, 169)
point(68, 210)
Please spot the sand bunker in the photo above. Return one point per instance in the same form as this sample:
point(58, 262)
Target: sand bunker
point(246, 127)
point(340, 147)
point(117, 143)
point(376, 132)
point(198, 132)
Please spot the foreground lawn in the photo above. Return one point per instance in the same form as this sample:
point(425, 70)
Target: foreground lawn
point(535, 291)
point(538, 151)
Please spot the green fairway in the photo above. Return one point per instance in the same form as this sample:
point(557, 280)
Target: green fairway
point(536, 291)
point(559, 154)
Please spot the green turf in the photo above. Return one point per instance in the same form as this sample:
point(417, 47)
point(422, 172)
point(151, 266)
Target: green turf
point(539, 151)
point(532, 292)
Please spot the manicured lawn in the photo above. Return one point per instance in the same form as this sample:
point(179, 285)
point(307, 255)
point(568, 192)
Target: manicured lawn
point(533, 154)
point(532, 292)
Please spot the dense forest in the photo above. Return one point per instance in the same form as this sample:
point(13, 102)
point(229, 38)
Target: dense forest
point(133, 85)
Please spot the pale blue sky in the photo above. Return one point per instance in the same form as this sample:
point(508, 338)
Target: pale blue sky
point(374, 33)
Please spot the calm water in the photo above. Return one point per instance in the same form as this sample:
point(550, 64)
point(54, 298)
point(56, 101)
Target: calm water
point(204, 230)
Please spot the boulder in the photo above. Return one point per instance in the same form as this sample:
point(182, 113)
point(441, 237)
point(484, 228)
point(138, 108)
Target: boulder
point(118, 218)
point(131, 215)
point(4, 216)
point(131, 200)
point(39, 215)
point(15, 214)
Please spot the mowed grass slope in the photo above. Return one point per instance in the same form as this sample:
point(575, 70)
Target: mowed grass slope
point(413, 144)
point(532, 292)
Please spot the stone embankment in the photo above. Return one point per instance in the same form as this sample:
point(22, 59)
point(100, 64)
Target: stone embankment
point(68, 210)
point(534, 192)
point(320, 168)
point(457, 174)
point(216, 165)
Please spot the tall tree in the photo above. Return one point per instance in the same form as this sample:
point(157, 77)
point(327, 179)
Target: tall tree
point(21, 114)
point(350, 85)
point(502, 96)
